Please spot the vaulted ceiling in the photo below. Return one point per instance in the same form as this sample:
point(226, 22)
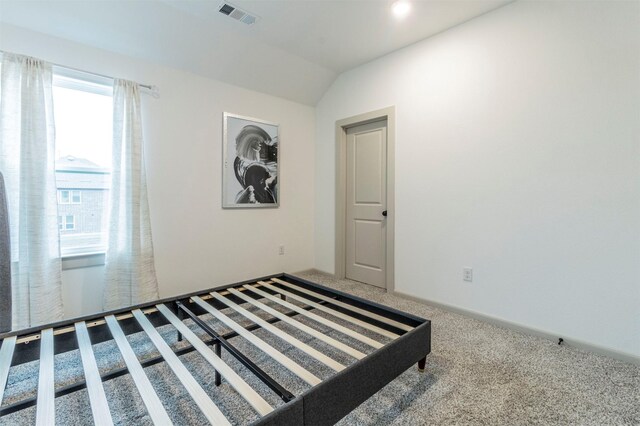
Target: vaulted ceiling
point(295, 50)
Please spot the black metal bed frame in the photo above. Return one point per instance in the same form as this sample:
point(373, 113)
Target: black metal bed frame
point(343, 391)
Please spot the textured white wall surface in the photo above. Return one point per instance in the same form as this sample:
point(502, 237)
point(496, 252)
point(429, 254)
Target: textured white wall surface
point(197, 244)
point(517, 154)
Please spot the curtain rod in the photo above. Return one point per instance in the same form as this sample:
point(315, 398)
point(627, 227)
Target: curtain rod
point(146, 86)
point(153, 89)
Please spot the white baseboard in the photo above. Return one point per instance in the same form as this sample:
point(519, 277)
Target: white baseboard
point(310, 270)
point(576, 343)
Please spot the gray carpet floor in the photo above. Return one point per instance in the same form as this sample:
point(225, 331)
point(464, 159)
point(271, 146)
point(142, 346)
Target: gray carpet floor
point(476, 374)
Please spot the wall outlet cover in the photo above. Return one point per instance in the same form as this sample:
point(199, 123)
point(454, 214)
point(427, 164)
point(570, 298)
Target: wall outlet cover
point(467, 274)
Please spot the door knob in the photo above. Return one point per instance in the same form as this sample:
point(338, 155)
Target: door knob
point(384, 213)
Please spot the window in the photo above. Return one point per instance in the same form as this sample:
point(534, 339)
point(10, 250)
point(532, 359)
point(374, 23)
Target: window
point(69, 197)
point(63, 197)
point(67, 222)
point(83, 119)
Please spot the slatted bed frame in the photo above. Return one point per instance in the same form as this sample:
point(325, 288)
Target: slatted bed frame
point(407, 337)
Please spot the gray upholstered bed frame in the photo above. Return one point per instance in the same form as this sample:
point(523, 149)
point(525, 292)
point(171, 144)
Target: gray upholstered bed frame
point(403, 340)
point(5, 262)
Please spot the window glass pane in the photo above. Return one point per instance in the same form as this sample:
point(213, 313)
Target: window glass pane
point(64, 197)
point(70, 222)
point(83, 126)
point(83, 120)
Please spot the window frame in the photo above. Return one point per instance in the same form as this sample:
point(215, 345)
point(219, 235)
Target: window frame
point(71, 193)
point(63, 223)
point(72, 223)
point(61, 194)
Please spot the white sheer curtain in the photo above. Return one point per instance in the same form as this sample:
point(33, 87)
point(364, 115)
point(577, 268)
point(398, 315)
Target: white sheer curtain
point(130, 271)
point(27, 160)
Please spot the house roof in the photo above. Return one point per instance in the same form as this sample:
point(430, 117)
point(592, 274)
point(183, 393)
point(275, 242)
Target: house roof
point(70, 162)
point(80, 173)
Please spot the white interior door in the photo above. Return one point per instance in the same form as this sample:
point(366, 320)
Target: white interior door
point(366, 241)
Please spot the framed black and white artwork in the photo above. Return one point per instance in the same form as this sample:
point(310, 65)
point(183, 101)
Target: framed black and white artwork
point(251, 166)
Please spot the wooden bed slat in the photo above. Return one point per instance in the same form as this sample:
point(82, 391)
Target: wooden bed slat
point(286, 362)
point(45, 410)
point(352, 308)
point(335, 313)
point(329, 362)
point(342, 329)
point(300, 326)
point(6, 355)
point(97, 398)
point(209, 409)
point(154, 406)
point(247, 392)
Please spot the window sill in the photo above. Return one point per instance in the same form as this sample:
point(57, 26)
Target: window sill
point(84, 260)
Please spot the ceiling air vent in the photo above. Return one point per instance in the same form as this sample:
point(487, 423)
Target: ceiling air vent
point(237, 14)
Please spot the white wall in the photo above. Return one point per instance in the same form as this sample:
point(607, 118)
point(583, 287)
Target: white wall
point(197, 244)
point(517, 154)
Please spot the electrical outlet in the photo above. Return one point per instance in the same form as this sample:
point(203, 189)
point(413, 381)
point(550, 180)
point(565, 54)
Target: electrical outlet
point(467, 274)
point(281, 251)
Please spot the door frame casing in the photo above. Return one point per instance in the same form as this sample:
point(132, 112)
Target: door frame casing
point(388, 114)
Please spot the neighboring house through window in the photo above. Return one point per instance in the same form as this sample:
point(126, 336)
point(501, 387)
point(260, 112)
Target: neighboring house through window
point(84, 120)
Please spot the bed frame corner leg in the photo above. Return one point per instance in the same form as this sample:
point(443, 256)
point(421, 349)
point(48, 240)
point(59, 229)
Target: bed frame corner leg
point(421, 364)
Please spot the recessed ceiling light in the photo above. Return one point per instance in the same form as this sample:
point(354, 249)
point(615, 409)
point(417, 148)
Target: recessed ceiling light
point(401, 8)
